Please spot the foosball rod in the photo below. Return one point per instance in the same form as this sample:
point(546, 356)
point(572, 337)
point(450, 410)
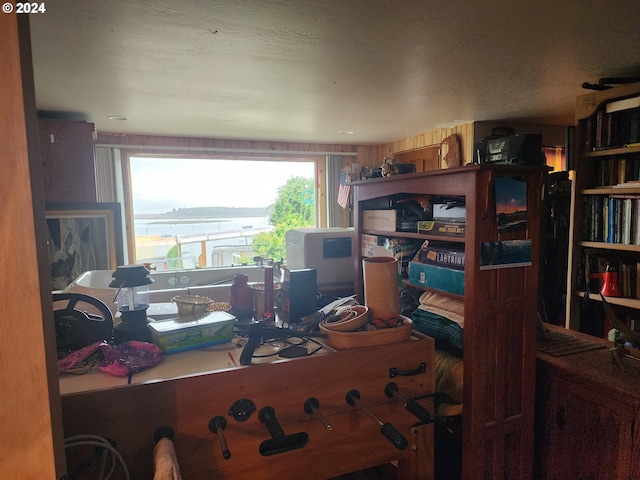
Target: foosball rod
point(387, 429)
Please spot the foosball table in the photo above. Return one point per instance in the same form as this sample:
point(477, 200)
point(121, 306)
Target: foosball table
point(325, 414)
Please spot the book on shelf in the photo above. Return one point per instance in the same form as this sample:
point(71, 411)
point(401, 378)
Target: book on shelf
point(619, 171)
point(635, 223)
point(616, 125)
point(613, 218)
point(443, 254)
point(628, 184)
point(624, 104)
point(445, 229)
point(626, 221)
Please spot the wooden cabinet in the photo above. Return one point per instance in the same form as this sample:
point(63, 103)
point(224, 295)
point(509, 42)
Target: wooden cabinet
point(68, 160)
point(605, 220)
point(587, 414)
point(500, 308)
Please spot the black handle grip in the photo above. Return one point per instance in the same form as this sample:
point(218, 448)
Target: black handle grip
point(394, 436)
point(418, 410)
point(268, 416)
point(279, 443)
point(247, 352)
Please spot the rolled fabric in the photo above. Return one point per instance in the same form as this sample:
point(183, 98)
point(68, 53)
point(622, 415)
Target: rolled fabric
point(380, 278)
point(165, 461)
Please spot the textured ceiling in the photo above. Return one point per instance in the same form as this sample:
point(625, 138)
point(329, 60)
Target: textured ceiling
point(305, 70)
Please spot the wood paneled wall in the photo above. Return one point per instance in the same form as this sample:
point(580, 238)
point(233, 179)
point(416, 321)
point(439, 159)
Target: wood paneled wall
point(365, 155)
point(433, 137)
point(162, 145)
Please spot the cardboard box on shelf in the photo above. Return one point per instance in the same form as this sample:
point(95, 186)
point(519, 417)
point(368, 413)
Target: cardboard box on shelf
point(381, 246)
point(439, 278)
point(385, 220)
point(369, 250)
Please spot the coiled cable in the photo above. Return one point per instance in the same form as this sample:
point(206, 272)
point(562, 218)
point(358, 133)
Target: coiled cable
point(109, 454)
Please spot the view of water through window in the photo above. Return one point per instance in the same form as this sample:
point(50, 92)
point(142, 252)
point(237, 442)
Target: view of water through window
point(196, 213)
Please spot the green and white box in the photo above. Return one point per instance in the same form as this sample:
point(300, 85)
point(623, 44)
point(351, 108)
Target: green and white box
point(188, 333)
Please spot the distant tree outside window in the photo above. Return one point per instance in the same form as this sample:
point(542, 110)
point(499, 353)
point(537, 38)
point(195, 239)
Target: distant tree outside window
point(294, 208)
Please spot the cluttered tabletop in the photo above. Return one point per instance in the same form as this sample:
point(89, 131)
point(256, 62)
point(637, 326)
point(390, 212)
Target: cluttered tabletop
point(246, 344)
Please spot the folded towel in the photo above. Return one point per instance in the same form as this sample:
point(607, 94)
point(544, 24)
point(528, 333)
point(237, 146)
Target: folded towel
point(446, 306)
point(165, 461)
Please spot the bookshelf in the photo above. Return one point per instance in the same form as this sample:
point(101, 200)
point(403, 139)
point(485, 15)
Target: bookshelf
point(500, 308)
point(605, 206)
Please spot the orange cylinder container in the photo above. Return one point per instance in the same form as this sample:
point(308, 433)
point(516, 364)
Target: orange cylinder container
point(380, 278)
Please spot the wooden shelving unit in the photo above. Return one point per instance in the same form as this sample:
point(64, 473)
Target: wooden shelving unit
point(603, 162)
point(500, 314)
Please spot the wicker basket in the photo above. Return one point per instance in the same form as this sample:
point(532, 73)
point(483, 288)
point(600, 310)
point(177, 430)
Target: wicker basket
point(219, 307)
point(189, 305)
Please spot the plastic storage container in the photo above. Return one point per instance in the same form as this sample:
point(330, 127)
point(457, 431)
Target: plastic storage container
point(181, 334)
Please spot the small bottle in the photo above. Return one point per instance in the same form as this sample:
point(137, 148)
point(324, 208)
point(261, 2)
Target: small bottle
point(241, 298)
point(269, 314)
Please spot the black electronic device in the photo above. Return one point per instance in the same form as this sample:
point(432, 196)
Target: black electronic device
point(303, 288)
point(521, 149)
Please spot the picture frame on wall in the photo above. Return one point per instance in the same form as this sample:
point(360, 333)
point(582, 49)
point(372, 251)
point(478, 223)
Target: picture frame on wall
point(82, 237)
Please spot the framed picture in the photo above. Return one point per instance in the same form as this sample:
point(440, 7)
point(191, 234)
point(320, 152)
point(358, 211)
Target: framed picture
point(82, 237)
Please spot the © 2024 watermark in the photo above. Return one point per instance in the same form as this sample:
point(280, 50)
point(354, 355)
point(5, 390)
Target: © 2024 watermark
point(24, 7)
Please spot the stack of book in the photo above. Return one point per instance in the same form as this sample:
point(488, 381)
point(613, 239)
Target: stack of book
point(448, 220)
point(619, 171)
point(614, 126)
point(440, 265)
point(612, 218)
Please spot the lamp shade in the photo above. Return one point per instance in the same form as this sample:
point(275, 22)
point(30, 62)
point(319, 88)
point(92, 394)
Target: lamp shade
point(132, 282)
point(130, 276)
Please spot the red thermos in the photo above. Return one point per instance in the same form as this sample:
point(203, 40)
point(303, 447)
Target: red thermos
point(610, 287)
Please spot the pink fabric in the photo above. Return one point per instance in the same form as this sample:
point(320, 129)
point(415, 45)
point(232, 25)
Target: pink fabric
point(74, 359)
point(130, 357)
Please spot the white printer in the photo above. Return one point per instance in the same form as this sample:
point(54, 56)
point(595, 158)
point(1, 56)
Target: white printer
point(330, 251)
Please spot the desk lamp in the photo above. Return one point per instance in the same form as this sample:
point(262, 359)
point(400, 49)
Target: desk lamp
point(132, 299)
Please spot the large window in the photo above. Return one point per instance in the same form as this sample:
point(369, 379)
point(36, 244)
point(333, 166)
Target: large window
point(196, 213)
